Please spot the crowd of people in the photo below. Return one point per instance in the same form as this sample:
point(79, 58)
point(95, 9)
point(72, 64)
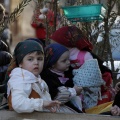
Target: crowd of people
point(63, 77)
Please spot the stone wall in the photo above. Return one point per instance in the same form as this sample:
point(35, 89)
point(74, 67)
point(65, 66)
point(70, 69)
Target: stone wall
point(11, 115)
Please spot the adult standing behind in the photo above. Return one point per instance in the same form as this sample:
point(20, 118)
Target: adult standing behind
point(80, 51)
point(6, 35)
point(5, 58)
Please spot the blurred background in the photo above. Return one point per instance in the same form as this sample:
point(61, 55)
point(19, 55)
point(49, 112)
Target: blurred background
point(21, 28)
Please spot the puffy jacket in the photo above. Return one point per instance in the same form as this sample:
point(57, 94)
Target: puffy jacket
point(3, 46)
point(5, 58)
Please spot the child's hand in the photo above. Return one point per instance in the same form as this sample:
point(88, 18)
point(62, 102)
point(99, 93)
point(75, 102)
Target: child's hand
point(117, 87)
point(115, 110)
point(78, 90)
point(51, 105)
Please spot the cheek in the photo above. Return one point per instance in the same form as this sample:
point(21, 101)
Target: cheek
point(26, 66)
point(41, 64)
point(62, 66)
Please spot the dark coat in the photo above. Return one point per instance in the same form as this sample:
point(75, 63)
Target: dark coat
point(5, 58)
point(53, 83)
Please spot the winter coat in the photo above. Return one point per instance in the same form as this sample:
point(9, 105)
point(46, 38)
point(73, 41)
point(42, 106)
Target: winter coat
point(21, 88)
point(53, 82)
point(5, 58)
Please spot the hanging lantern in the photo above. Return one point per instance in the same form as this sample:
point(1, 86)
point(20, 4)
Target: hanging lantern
point(85, 13)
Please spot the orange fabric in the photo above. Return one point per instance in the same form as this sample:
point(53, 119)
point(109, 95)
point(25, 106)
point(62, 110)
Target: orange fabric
point(33, 94)
point(9, 102)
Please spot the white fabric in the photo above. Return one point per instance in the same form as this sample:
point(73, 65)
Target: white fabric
point(89, 77)
point(20, 85)
point(72, 92)
point(77, 102)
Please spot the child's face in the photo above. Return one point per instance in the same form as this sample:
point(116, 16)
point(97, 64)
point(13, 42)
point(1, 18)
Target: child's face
point(63, 62)
point(33, 62)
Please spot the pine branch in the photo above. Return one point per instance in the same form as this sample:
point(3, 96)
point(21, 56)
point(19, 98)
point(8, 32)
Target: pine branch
point(15, 14)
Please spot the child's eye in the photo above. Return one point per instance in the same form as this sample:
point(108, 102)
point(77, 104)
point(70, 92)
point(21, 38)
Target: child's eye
point(30, 59)
point(40, 59)
point(64, 60)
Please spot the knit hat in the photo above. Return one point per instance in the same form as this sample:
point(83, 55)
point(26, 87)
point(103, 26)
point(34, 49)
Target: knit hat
point(37, 40)
point(71, 36)
point(25, 47)
point(53, 53)
point(88, 75)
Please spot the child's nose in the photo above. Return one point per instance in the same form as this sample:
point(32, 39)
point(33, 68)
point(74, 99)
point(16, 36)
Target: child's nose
point(36, 61)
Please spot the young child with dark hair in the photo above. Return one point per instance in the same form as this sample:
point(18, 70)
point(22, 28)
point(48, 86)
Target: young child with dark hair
point(27, 92)
point(60, 87)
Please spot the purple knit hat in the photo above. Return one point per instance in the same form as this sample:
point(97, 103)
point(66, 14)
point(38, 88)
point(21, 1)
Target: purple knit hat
point(53, 53)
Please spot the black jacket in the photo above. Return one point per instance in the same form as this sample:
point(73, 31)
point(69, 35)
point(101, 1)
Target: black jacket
point(53, 83)
point(5, 58)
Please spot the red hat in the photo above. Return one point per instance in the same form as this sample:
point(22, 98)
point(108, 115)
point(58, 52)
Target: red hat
point(71, 36)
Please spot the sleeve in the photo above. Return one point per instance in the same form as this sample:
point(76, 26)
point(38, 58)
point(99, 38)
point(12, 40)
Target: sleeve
point(22, 104)
point(72, 92)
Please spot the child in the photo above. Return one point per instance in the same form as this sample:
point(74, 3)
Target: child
point(27, 92)
point(60, 87)
point(80, 51)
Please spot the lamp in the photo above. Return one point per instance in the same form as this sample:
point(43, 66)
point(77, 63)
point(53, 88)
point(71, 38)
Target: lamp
point(85, 13)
